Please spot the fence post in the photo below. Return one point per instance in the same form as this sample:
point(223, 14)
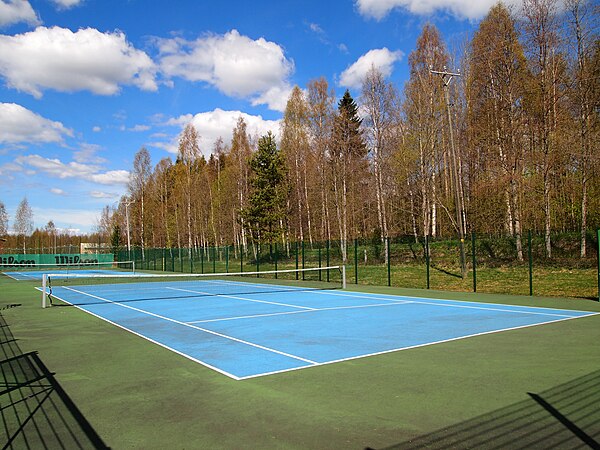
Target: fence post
point(202, 258)
point(296, 260)
point(474, 262)
point(320, 276)
point(275, 260)
point(257, 259)
point(598, 254)
point(327, 259)
point(355, 261)
point(427, 258)
point(389, 269)
point(214, 259)
point(530, 264)
point(227, 258)
point(303, 261)
point(241, 257)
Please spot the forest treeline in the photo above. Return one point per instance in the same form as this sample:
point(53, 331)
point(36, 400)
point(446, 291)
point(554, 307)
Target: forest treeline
point(506, 144)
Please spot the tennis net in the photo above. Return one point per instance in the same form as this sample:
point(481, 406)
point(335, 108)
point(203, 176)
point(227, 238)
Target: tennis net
point(95, 288)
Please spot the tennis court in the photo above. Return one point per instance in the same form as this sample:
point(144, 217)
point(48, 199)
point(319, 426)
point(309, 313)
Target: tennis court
point(250, 328)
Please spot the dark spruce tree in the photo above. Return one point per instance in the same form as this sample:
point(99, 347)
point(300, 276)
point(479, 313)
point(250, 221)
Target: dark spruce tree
point(348, 130)
point(268, 194)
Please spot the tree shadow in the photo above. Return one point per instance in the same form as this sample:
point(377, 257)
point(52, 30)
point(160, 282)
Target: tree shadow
point(566, 416)
point(36, 411)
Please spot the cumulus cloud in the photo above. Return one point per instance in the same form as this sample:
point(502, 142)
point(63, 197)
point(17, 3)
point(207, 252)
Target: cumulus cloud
point(382, 59)
point(56, 168)
point(462, 9)
point(58, 191)
point(56, 58)
point(216, 124)
point(236, 65)
point(19, 125)
point(17, 11)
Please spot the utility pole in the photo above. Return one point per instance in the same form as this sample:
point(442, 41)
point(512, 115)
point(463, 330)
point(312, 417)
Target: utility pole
point(446, 79)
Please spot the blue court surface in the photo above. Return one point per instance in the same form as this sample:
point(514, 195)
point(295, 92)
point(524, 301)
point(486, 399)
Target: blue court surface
point(253, 329)
point(38, 274)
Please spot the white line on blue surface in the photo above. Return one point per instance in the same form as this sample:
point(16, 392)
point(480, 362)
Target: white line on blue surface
point(252, 316)
point(241, 341)
point(434, 302)
point(239, 298)
point(414, 346)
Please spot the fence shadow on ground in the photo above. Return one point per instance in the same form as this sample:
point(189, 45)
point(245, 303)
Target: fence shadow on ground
point(35, 410)
point(566, 416)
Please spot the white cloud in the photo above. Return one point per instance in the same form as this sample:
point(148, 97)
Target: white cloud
point(382, 59)
point(58, 191)
point(20, 125)
point(87, 154)
point(72, 220)
point(58, 169)
point(104, 195)
point(216, 124)
point(236, 65)
point(139, 128)
point(17, 11)
point(111, 177)
point(66, 4)
point(462, 9)
point(56, 58)
point(97, 129)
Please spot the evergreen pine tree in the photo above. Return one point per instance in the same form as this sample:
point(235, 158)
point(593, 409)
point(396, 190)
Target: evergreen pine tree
point(267, 201)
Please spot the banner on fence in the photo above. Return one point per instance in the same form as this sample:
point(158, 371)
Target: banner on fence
point(34, 259)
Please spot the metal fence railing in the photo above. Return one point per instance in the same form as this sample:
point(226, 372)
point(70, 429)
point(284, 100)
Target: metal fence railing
point(493, 263)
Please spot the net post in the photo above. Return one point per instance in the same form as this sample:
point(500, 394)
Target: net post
point(133, 266)
point(343, 277)
point(44, 294)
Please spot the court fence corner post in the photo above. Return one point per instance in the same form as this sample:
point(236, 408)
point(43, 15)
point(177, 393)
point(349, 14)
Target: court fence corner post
point(343, 276)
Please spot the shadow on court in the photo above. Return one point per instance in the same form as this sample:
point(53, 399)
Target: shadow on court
point(36, 412)
point(566, 416)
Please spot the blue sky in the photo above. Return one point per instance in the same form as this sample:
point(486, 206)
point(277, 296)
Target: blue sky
point(84, 84)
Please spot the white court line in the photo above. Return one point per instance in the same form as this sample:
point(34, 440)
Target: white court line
point(238, 298)
point(420, 301)
point(414, 346)
point(185, 355)
point(334, 308)
point(25, 276)
point(289, 355)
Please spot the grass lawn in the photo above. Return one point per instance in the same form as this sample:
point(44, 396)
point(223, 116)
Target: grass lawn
point(502, 388)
